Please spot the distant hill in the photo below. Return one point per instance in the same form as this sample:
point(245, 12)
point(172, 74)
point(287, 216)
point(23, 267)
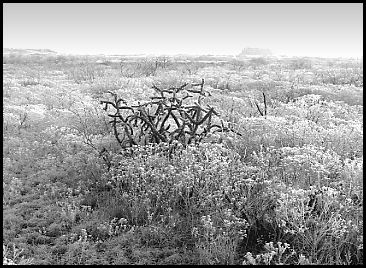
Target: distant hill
point(255, 52)
point(22, 51)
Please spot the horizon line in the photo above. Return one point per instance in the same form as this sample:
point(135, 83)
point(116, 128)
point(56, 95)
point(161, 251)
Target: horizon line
point(185, 54)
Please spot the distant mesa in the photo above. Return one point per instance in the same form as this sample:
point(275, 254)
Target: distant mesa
point(28, 51)
point(255, 52)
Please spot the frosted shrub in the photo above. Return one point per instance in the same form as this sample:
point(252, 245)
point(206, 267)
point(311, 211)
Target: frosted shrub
point(12, 256)
point(274, 254)
point(217, 243)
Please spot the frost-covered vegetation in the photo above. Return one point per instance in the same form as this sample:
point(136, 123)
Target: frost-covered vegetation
point(284, 188)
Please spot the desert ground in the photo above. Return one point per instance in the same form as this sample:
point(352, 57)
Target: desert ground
point(92, 174)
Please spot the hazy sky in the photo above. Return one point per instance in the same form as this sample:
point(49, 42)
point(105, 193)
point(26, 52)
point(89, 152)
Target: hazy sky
point(325, 30)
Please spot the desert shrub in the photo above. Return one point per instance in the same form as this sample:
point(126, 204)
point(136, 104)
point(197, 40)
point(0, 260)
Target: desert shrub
point(262, 132)
point(339, 76)
point(274, 255)
point(287, 94)
point(257, 62)
point(320, 221)
point(196, 182)
point(104, 84)
point(129, 69)
point(80, 250)
point(301, 63)
point(187, 68)
point(238, 65)
point(85, 72)
point(307, 121)
point(169, 79)
point(218, 238)
point(347, 94)
point(29, 81)
point(13, 224)
point(143, 67)
point(300, 166)
point(231, 108)
point(13, 256)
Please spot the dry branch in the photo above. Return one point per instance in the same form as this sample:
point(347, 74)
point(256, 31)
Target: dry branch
point(186, 123)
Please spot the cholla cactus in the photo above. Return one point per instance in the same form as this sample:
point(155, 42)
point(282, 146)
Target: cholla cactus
point(165, 118)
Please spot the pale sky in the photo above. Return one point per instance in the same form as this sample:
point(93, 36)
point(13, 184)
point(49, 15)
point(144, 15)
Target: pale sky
point(323, 30)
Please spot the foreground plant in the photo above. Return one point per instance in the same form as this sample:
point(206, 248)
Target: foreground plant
point(168, 116)
point(12, 256)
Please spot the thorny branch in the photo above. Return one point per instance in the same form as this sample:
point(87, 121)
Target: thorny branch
point(165, 118)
